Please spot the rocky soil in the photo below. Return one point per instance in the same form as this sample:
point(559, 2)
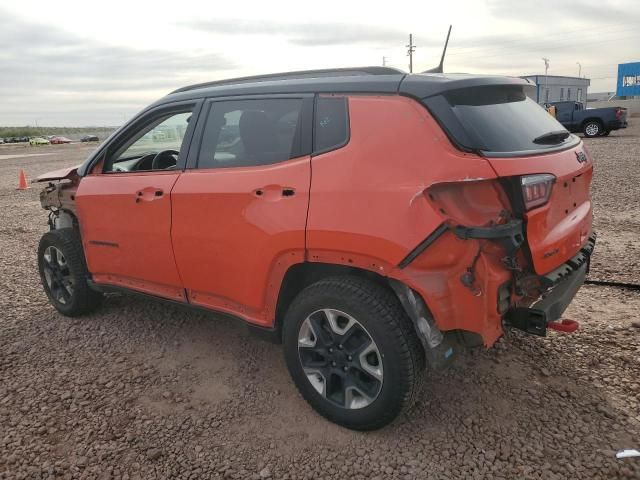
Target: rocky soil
point(140, 389)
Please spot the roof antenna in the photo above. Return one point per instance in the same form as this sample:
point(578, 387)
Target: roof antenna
point(439, 68)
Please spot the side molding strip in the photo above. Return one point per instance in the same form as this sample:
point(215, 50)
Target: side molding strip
point(104, 243)
point(422, 246)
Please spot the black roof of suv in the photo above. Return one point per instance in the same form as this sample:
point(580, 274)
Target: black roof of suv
point(347, 80)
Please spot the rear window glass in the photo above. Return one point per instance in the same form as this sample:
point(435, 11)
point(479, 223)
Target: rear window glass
point(496, 119)
point(331, 123)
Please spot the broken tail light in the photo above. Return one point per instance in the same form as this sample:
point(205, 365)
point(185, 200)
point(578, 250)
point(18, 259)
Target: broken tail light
point(536, 189)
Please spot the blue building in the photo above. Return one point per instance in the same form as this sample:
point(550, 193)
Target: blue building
point(628, 80)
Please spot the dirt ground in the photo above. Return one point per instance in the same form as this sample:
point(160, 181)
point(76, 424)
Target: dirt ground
point(141, 389)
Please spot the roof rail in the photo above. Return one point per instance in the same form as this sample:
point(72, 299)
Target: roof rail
point(328, 72)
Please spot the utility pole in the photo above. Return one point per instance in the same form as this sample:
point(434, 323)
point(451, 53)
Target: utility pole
point(579, 69)
point(546, 78)
point(411, 48)
point(384, 61)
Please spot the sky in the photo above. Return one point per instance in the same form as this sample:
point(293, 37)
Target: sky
point(73, 64)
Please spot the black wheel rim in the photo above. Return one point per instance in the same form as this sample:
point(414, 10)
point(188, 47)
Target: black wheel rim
point(340, 359)
point(57, 275)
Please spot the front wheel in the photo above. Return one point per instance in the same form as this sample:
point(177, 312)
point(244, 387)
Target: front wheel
point(592, 128)
point(64, 273)
point(352, 352)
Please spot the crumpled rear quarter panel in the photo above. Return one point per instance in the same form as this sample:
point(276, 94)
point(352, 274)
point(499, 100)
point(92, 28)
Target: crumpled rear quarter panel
point(369, 208)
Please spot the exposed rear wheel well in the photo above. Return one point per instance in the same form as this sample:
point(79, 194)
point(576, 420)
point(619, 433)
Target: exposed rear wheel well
point(301, 275)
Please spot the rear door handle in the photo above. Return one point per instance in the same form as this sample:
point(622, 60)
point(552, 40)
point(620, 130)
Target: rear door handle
point(272, 192)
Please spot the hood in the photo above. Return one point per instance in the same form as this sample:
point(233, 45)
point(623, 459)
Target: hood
point(61, 174)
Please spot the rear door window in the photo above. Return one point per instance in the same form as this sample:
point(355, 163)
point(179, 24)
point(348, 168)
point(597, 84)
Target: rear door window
point(331, 124)
point(496, 119)
point(243, 133)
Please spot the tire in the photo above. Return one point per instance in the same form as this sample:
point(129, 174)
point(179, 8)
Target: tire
point(388, 366)
point(64, 274)
point(592, 128)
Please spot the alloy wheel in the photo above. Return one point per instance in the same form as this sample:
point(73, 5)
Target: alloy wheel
point(340, 359)
point(57, 275)
point(592, 129)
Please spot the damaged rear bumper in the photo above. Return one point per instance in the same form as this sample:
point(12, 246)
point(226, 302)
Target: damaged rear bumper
point(562, 285)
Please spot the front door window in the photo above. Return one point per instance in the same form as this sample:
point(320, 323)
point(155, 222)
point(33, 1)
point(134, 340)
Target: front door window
point(154, 147)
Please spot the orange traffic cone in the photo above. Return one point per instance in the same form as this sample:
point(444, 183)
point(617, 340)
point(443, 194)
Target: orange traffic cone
point(22, 181)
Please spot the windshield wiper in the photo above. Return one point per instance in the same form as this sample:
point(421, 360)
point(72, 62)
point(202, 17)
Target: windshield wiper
point(551, 137)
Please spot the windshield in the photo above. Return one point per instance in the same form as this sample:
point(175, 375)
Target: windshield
point(497, 119)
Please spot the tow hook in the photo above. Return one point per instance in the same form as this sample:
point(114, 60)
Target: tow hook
point(564, 325)
point(534, 321)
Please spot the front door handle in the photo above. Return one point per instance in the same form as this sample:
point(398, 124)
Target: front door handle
point(148, 194)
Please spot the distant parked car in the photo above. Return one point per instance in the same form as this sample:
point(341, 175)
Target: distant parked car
point(59, 140)
point(593, 122)
point(22, 139)
point(1, 140)
point(89, 138)
point(39, 141)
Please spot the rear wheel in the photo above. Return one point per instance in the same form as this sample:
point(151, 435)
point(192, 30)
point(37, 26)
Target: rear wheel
point(352, 352)
point(592, 128)
point(64, 273)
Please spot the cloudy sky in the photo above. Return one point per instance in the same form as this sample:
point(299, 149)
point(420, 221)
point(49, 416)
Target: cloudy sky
point(70, 63)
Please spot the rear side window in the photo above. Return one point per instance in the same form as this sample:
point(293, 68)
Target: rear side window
point(243, 133)
point(496, 119)
point(331, 124)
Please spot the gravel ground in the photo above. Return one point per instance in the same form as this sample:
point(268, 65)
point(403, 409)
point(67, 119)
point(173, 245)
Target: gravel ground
point(144, 390)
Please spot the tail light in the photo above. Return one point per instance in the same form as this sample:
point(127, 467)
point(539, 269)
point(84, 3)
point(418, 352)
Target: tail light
point(536, 189)
point(473, 203)
point(618, 112)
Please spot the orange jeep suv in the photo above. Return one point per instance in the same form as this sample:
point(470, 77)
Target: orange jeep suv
point(374, 222)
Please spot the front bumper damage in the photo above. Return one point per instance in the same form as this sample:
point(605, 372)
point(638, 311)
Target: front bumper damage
point(561, 285)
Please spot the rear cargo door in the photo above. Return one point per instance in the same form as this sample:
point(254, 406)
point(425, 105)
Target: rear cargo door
point(558, 229)
point(519, 139)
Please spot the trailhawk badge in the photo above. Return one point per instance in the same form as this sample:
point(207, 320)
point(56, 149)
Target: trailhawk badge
point(581, 157)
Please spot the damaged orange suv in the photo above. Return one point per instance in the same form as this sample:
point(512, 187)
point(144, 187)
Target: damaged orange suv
point(374, 222)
